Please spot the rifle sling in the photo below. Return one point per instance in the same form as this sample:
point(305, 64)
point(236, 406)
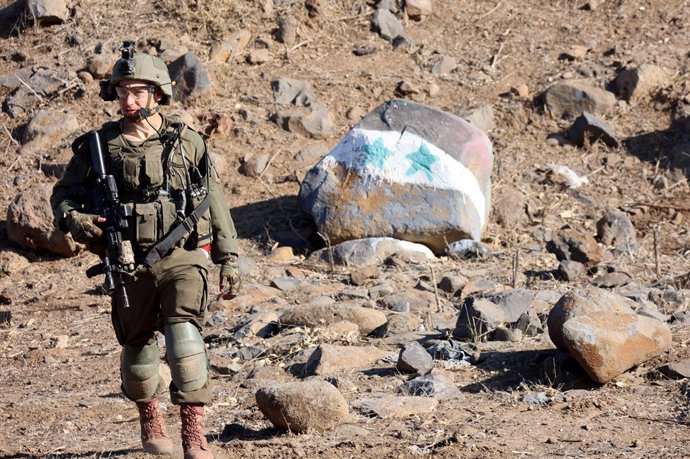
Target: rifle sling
point(185, 227)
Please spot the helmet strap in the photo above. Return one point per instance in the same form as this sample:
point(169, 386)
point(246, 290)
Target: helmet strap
point(145, 112)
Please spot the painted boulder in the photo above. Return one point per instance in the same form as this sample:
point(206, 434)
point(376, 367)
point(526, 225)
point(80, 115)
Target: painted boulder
point(407, 171)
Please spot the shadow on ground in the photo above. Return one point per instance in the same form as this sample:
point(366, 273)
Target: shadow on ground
point(236, 431)
point(514, 370)
point(65, 454)
point(670, 147)
point(279, 220)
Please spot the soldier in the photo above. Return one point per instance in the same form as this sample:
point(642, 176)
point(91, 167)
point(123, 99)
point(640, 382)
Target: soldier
point(163, 174)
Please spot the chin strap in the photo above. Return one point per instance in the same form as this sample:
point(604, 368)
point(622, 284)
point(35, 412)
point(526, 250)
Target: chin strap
point(145, 112)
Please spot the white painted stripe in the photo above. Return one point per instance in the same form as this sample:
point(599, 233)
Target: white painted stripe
point(445, 173)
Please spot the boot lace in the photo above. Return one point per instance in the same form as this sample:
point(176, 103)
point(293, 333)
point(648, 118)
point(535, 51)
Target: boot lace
point(192, 428)
point(151, 417)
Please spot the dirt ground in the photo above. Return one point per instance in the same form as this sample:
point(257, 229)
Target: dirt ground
point(58, 356)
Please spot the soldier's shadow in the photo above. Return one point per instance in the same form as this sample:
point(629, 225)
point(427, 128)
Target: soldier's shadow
point(236, 431)
point(66, 454)
point(279, 220)
point(669, 147)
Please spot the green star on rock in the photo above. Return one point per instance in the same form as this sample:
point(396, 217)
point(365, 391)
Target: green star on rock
point(422, 160)
point(376, 153)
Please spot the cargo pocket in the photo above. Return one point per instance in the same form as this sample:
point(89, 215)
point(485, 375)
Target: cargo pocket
point(169, 214)
point(146, 225)
point(153, 168)
point(131, 172)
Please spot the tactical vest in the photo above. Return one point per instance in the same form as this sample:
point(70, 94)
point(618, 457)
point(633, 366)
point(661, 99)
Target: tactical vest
point(160, 181)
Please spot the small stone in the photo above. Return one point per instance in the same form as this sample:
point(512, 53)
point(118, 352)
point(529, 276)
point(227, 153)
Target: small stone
point(444, 66)
point(575, 52)
point(413, 358)
point(507, 334)
point(286, 283)
point(354, 113)
point(406, 88)
point(570, 270)
point(254, 166)
point(99, 65)
point(362, 275)
point(287, 30)
point(417, 9)
point(537, 398)
point(401, 42)
point(660, 182)
point(589, 128)
point(521, 90)
point(282, 254)
point(85, 77)
point(260, 56)
point(592, 5)
point(676, 370)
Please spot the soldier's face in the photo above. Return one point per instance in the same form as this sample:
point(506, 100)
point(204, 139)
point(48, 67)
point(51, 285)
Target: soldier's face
point(134, 95)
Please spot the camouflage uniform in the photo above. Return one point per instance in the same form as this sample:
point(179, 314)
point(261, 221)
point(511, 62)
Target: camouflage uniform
point(175, 289)
point(165, 183)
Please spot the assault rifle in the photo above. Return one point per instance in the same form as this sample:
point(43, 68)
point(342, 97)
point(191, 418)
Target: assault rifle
point(118, 260)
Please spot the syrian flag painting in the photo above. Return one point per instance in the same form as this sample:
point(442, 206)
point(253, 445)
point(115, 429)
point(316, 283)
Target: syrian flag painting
point(407, 171)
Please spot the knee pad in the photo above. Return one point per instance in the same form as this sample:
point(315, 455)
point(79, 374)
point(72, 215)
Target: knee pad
point(139, 370)
point(186, 354)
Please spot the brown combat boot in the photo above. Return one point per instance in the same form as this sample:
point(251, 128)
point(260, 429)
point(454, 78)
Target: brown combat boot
point(154, 434)
point(193, 437)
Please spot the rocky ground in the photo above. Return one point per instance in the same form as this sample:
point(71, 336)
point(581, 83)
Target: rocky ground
point(519, 398)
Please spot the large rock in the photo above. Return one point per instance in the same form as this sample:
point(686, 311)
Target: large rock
point(314, 122)
point(48, 129)
point(406, 171)
point(616, 230)
point(30, 224)
point(366, 319)
point(388, 25)
point(228, 49)
point(477, 318)
point(298, 110)
point(41, 84)
point(413, 358)
point(48, 12)
point(573, 245)
point(587, 128)
point(288, 91)
point(328, 359)
point(570, 99)
point(303, 406)
point(604, 334)
point(190, 77)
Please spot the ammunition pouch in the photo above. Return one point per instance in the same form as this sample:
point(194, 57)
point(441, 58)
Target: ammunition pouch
point(152, 221)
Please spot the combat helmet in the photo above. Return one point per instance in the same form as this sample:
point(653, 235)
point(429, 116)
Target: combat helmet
point(138, 66)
